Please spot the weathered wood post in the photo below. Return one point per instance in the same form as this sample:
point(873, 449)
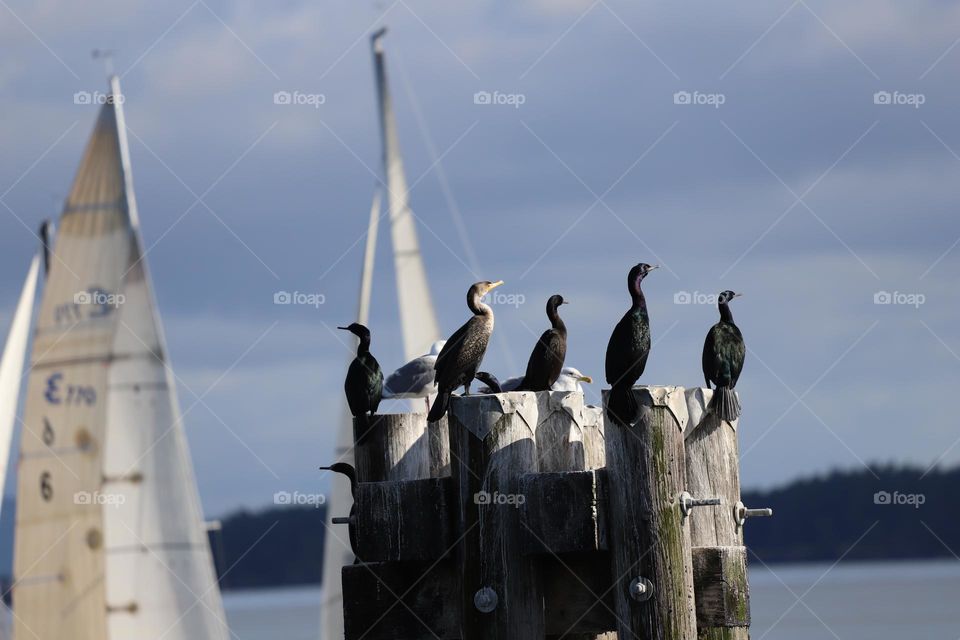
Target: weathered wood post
point(391, 446)
point(569, 439)
point(492, 443)
point(719, 557)
point(650, 542)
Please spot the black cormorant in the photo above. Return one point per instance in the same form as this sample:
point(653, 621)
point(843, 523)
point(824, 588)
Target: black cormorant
point(461, 355)
point(364, 382)
point(628, 349)
point(546, 360)
point(569, 380)
point(723, 354)
point(487, 378)
point(347, 470)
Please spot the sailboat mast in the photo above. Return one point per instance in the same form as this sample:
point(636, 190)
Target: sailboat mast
point(418, 319)
point(369, 253)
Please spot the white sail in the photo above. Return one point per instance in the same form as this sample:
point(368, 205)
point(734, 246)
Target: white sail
point(11, 366)
point(418, 320)
point(110, 543)
point(418, 324)
point(336, 548)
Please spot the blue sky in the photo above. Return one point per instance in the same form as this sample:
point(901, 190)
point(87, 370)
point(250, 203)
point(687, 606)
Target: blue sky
point(803, 189)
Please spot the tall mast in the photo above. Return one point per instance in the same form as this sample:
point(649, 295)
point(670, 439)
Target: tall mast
point(418, 319)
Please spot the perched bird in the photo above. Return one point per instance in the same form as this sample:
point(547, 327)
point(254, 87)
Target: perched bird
point(493, 385)
point(364, 382)
point(458, 360)
point(569, 380)
point(628, 349)
point(723, 354)
point(347, 470)
point(546, 359)
point(416, 378)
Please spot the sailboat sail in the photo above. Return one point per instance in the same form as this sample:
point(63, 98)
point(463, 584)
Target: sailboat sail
point(110, 543)
point(418, 321)
point(336, 549)
point(11, 367)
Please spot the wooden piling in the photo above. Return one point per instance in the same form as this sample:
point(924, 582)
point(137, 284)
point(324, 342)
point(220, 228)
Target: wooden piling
point(492, 443)
point(719, 557)
point(391, 446)
point(650, 542)
point(569, 439)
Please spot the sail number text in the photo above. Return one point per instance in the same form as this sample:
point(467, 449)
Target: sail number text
point(59, 392)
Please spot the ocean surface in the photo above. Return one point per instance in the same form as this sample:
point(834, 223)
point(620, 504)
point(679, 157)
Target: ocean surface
point(852, 601)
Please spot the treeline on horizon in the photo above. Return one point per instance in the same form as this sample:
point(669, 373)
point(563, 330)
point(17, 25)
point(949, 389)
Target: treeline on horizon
point(839, 515)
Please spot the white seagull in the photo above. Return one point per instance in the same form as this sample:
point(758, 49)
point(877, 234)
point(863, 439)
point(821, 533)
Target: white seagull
point(416, 378)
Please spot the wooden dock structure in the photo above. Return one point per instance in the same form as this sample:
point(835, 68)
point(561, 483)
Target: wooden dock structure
point(526, 515)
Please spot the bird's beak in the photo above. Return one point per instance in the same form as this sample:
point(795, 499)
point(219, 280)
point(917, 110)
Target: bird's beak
point(494, 285)
point(653, 266)
point(586, 379)
point(565, 302)
point(344, 328)
point(327, 468)
point(737, 295)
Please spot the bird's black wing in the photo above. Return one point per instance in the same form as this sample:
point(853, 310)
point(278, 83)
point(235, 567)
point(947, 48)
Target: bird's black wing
point(453, 344)
point(462, 353)
point(546, 361)
point(723, 354)
point(627, 350)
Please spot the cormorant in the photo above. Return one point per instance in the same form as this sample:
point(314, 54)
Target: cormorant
point(546, 360)
point(723, 354)
point(493, 385)
point(364, 382)
point(416, 378)
point(628, 349)
point(347, 470)
point(569, 380)
point(458, 360)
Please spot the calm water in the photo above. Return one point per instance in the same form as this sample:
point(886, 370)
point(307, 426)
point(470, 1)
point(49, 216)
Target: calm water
point(886, 601)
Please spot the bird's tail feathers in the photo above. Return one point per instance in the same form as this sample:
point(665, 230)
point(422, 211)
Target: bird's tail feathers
point(622, 405)
point(725, 404)
point(439, 407)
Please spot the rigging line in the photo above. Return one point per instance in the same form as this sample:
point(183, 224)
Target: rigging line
point(452, 205)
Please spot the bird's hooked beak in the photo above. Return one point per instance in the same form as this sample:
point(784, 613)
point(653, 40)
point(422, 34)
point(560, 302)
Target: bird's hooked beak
point(737, 295)
point(494, 285)
point(345, 329)
point(586, 379)
point(652, 267)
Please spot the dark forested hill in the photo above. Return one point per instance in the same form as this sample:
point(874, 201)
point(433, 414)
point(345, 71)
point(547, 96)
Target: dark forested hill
point(899, 514)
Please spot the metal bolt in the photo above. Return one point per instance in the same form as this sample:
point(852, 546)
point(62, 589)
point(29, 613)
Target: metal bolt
point(641, 589)
point(741, 513)
point(485, 600)
point(688, 502)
